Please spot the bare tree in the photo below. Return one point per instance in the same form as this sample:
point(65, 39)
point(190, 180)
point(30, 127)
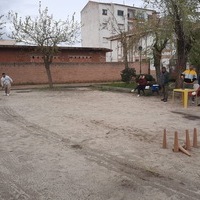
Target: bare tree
point(156, 29)
point(142, 29)
point(118, 31)
point(2, 23)
point(195, 51)
point(162, 36)
point(45, 33)
point(182, 14)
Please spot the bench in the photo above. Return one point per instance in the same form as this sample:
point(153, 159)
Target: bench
point(153, 88)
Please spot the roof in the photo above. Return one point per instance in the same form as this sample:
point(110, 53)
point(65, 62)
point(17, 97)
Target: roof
point(7, 42)
point(13, 46)
point(127, 6)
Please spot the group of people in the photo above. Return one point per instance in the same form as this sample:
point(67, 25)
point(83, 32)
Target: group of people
point(189, 77)
point(142, 83)
point(191, 81)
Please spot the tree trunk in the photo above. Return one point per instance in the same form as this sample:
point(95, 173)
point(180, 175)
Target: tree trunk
point(125, 53)
point(47, 67)
point(157, 54)
point(182, 54)
point(181, 63)
point(181, 46)
point(157, 60)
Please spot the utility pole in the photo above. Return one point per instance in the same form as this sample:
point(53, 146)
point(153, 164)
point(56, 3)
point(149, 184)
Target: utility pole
point(140, 50)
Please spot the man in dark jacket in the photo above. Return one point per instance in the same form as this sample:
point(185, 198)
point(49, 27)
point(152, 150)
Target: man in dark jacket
point(164, 83)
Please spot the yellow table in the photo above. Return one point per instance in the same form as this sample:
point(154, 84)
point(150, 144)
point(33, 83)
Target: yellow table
point(184, 95)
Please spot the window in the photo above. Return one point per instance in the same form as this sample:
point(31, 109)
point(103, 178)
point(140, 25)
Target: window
point(104, 25)
point(121, 27)
point(120, 13)
point(141, 15)
point(104, 12)
point(131, 14)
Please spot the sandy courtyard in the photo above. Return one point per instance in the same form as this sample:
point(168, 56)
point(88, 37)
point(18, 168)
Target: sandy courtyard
point(85, 144)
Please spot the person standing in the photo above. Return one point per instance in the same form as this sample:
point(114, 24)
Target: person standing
point(164, 83)
point(6, 83)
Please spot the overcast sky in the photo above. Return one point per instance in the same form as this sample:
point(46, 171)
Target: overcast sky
point(60, 9)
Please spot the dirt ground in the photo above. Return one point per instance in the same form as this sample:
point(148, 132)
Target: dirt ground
point(85, 144)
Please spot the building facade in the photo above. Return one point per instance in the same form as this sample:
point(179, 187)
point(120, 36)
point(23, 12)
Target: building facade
point(96, 16)
point(95, 31)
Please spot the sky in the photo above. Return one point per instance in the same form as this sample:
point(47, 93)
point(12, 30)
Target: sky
point(60, 9)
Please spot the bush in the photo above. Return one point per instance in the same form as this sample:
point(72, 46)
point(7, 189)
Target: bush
point(127, 74)
point(150, 78)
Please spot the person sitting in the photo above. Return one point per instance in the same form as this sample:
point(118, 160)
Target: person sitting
point(142, 82)
point(195, 93)
point(189, 76)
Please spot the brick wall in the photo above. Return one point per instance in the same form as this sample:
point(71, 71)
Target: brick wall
point(26, 54)
point(34, 73)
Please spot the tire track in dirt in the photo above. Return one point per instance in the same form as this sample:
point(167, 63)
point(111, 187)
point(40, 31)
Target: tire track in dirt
point(143, 176)
point(10, 189)
point(9, 115)
point(11, 186)
point(13, 191)
point(136, 173)
point(139, 134)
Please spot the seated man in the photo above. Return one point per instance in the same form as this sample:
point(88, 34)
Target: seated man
point(189, 76)
point(196, 93)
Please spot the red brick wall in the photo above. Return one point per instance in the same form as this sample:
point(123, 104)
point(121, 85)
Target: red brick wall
point(18, 54)
point(34, 73)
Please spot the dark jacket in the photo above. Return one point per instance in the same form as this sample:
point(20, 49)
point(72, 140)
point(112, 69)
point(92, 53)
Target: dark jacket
point(164, 78)
point(142, 81)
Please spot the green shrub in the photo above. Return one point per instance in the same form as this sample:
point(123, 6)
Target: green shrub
point(127, 74)
point(150, 78)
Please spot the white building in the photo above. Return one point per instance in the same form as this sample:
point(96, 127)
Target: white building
point(96, 15)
